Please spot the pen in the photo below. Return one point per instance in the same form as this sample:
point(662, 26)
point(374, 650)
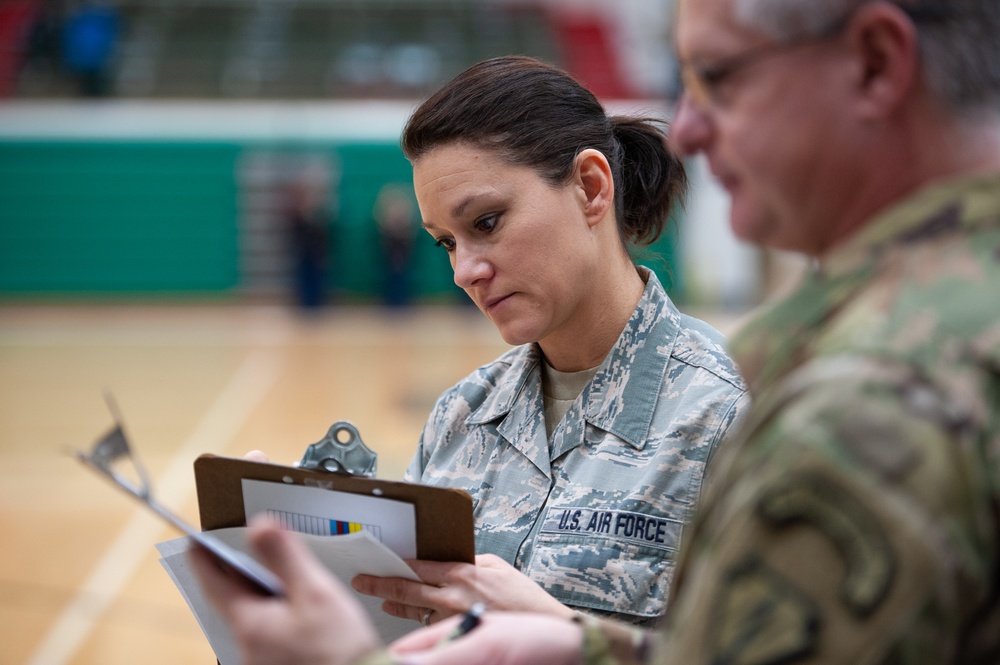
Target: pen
point(469, 621)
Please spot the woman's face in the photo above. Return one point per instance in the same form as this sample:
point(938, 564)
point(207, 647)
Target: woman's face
point(520, 247)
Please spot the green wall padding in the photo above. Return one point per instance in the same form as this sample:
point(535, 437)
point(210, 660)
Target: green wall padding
point(121, 217)
point(84, 217)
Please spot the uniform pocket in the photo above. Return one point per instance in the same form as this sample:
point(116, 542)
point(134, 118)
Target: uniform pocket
point(625, 574)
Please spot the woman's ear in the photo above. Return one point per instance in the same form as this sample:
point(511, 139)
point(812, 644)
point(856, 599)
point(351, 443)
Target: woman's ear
point(592, 175)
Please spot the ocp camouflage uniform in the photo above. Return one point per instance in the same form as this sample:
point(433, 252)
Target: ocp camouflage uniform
point(593, 514)
point(855, 516)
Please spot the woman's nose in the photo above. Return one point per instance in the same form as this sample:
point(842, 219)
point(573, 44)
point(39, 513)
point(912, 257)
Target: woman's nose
point(470, 266)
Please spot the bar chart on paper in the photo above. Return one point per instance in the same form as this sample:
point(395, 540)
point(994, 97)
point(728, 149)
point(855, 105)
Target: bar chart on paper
point(321, 526)
point(328, 512)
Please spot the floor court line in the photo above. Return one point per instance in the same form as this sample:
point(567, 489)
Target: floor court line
point(247, 387)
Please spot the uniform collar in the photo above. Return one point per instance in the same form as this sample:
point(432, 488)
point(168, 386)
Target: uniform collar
point(620, 399)
point(772, 342)
point(938, 209)
point(623, 395)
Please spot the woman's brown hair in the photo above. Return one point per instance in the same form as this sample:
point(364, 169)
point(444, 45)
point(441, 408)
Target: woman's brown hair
point(534, 114)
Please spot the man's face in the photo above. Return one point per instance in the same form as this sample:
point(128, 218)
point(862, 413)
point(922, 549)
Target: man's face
point(769, 120)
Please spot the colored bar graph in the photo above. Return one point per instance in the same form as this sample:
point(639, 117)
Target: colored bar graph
point(321, 526)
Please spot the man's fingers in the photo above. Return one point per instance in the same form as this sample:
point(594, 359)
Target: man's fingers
point(222, 587)
point(287, 556)
point(426, 638)
point(502, 637)
point(257, 456)
point(459, 652)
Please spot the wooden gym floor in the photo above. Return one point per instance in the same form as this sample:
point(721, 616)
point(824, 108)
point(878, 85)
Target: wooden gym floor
point(79, 578)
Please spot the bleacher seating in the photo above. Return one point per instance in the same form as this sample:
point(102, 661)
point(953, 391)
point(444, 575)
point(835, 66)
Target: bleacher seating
point(308, 49)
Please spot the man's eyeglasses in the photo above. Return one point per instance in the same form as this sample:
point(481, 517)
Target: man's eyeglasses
point(702, 82)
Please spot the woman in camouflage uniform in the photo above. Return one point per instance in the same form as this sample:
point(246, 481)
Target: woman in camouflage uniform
point(584, 447)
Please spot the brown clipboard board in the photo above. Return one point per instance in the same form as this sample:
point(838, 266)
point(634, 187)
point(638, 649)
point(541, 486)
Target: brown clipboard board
point(443, 515)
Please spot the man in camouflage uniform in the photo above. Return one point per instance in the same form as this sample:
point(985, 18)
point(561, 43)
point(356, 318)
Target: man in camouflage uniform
point(856, 517)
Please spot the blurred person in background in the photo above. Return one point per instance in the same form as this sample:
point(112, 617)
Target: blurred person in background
point(395, 220)
point(308, 220)
point(855, 517)
point(90, 38)
point(42, 41)
point(585, 446)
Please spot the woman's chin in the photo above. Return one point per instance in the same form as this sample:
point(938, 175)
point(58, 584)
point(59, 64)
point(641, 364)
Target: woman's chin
point(515, 334)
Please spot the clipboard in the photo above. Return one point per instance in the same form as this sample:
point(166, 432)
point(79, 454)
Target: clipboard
point(444, 519)
point(443, 515)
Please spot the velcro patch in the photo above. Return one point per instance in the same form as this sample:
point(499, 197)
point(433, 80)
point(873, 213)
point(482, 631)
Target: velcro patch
point(855, 532)
point(761, 619)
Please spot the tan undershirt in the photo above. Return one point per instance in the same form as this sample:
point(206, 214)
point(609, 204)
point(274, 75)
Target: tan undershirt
point(559, 390)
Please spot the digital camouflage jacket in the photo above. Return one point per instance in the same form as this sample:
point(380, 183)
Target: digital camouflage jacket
point(594, 514)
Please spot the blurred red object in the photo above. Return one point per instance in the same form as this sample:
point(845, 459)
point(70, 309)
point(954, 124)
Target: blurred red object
point(16, 19)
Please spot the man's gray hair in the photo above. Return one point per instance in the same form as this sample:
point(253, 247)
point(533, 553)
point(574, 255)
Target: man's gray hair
point(959, 40)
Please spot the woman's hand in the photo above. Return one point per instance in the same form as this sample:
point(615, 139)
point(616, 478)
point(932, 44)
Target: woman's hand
point(452, 588)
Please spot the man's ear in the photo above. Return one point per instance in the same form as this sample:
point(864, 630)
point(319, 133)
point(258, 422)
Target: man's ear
point(592, 175)
point(883, 41)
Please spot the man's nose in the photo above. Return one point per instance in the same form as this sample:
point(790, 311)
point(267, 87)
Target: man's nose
point(691, 128)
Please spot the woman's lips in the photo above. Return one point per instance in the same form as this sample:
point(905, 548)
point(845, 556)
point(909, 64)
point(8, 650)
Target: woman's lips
point(491, 303)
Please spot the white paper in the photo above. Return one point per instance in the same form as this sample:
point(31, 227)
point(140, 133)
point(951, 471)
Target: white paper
point(313, 509)
point(345, 556)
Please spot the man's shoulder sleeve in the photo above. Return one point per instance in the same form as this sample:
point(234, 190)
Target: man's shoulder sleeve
point(836, 529)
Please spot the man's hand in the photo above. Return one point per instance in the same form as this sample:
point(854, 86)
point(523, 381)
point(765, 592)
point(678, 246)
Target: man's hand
point(502, 638)
point(317, 622)
point(451, 588)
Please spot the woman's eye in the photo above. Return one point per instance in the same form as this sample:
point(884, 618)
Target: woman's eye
point(447, 243)
point(487, 223)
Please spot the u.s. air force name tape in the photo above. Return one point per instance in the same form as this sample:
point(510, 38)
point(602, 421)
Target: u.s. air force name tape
point(615, 524)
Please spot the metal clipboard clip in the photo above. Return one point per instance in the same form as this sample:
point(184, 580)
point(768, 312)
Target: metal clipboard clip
point(340, 451)
point(113, 450)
